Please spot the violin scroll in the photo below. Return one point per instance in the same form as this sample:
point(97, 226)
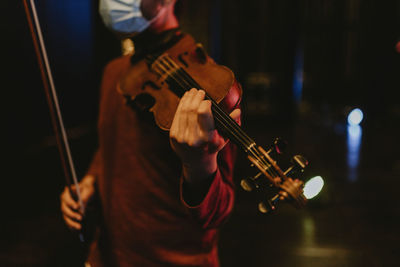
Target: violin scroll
point(270, 174)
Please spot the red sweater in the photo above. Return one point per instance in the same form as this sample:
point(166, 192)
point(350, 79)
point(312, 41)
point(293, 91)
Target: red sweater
point(145, 220)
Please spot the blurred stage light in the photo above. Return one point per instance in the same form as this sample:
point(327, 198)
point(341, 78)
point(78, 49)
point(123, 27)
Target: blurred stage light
point(313, 187)
point(355, 117)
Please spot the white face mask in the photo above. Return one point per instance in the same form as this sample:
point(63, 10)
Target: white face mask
point(123, 15)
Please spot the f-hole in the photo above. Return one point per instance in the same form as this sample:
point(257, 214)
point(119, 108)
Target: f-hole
point(150, 84)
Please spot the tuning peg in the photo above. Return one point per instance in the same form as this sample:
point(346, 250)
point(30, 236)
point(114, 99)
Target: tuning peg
point(299, 164)
point(269, 205)
point(278, 147)
point(300, 161)
point(249, 184)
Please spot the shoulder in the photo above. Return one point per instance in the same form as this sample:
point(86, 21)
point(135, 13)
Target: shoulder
point(114, 70)
point(117, 65)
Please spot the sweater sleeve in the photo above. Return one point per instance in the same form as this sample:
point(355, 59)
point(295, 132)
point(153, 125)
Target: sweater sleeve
point(218, 202)
point(216, 206)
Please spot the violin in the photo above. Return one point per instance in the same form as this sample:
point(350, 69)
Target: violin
point(166, 76)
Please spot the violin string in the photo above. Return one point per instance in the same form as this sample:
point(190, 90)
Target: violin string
point(259, 157)
point(190, 83)
point(234, 127)
point(256, 153)
point(169, 67)
point(229, 121)
point(185, 86)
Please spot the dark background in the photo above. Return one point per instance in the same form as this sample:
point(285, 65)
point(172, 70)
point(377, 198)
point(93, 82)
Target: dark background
point(303, 65)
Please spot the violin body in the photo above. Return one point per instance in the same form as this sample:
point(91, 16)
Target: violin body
point(143, 78)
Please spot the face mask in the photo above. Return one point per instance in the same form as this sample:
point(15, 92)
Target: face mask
point(123, 15)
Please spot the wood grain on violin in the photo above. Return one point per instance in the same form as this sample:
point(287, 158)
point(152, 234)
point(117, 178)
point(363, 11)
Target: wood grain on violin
point(156, 78)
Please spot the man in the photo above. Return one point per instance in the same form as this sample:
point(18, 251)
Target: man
point(162, 196)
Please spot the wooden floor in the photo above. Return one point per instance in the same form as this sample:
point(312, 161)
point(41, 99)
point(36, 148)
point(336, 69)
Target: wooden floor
point(353, 222)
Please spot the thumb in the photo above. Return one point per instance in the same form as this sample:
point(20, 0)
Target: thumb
point(72, 191)
point(86, 194)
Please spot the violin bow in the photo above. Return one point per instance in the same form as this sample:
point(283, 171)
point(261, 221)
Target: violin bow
point(52, 100)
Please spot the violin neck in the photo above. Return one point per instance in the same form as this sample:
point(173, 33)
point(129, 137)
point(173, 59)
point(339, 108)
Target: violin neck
point(230, 128)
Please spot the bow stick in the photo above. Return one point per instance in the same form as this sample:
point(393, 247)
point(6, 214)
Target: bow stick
point(52, 100)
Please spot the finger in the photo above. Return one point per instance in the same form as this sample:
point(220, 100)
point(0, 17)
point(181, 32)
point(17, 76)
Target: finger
point(185, 112)
point(83, 195)
point(70, 213)
point(68, 200)
point(235, 114)
point(192, 132)
point(72, 224)
point(87, 192)
point(188, 99)
point(72, 191)
point(207, 128)
point(176, 115)
point(177, 121)
point(195, 101)
point(205, 117)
